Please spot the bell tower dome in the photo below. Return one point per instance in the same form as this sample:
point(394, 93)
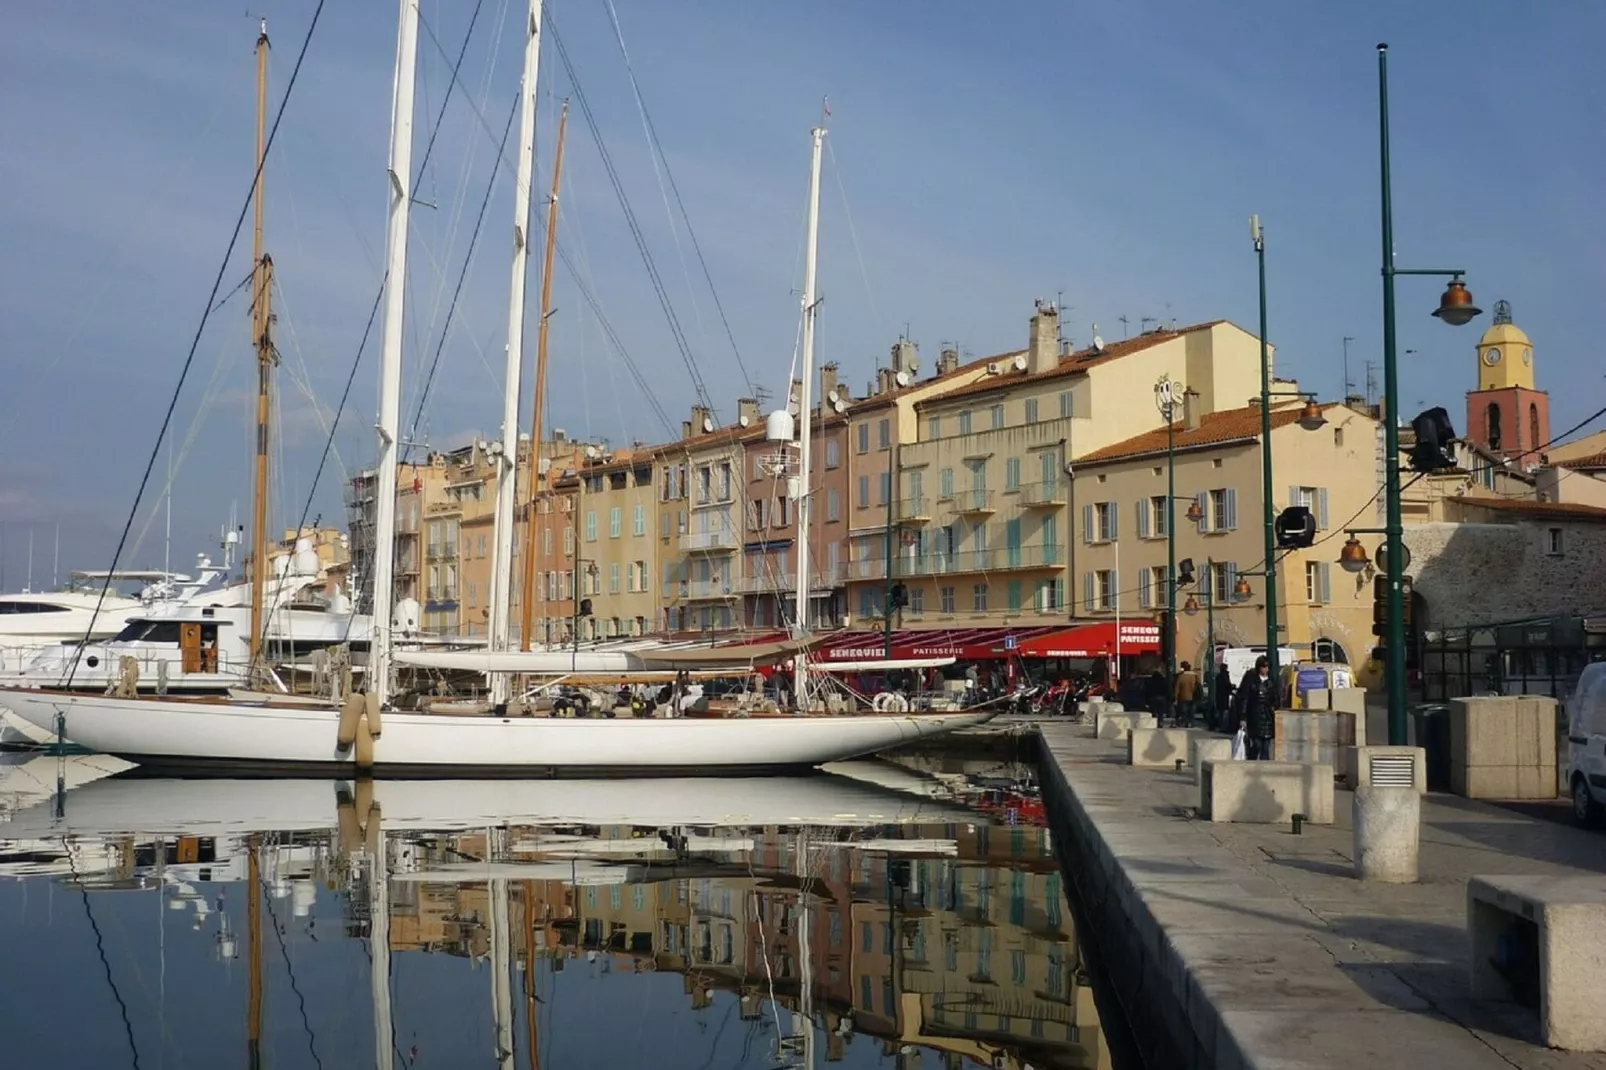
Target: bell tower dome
point(1508, 414)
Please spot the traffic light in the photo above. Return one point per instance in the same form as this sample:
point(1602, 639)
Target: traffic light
point(1185, 572)
point(1167, 635)
point(1435, 441)
point(1380, 604)
point(1295, 528)
point(585, 608)
point(898, 597)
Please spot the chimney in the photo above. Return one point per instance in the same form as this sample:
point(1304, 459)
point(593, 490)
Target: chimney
point(698, 424)
point(1190, 409)
point(747, 413)
point(1043, 351)
point(949, 361)
point(828, 382)
point(905, 357)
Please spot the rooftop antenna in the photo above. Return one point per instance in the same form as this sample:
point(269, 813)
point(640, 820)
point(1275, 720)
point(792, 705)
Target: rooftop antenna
point(1143, 323)
point(1349, 387)
point(1124, 331)
point(1371, 383)
point(29, 587)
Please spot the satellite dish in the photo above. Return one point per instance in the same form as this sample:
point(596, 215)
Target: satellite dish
point(743, 420)
point(708, 424)
point(903, 378)
point(1020, 363)
point(833, 397)
point(1098, 343)
point(840, 406)
point(592, 452)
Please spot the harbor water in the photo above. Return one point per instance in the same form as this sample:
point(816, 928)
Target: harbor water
point(877, 914)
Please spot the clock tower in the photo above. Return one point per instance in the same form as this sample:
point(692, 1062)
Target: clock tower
point(1507, 414)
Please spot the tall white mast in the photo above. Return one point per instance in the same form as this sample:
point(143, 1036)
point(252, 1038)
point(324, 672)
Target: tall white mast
point(379, 941)
point(805, 414)
point(390, 353)
point(508, 461)
point(502, 968)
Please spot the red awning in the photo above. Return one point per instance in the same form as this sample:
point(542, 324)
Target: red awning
point(1093, 641)
point(966, 644)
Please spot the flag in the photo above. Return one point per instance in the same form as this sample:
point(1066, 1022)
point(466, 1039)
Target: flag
point(826, 104)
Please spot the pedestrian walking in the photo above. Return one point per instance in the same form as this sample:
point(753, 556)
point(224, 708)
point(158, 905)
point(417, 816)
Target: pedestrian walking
point(1223, 696)
point(1185, 695)
point(1257, 709)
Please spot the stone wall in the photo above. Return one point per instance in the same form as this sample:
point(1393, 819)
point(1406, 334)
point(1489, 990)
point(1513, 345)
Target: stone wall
point(1482, 573)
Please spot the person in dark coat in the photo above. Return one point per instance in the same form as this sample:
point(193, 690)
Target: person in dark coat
point(1257, 706)
point(1223, 697)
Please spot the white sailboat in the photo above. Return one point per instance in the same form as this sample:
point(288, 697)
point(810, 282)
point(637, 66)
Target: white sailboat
point(371, 735)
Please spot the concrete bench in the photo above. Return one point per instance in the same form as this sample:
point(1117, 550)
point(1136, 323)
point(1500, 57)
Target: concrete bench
point(1158, 748)
point(1386, 767)
point(1549, 932)
point(1266, 793)
point(1118, 725)
point(1205, 747)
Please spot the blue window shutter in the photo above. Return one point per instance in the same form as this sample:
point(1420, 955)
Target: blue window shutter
point(1232, 508)
point(1321, 508)
point(1144, 596)
point(1326, 592)
point(1087, 524)
point(1087, 591)
point(1115, 517)
point(1204, 512)
point(1143, 518)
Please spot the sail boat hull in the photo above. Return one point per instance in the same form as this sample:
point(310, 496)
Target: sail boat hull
point(203, 734)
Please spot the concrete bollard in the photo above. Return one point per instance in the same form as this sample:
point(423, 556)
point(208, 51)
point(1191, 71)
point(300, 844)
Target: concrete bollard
point(1388, 823)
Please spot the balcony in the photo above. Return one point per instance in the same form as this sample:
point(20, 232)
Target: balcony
point(441, 596)
point(1008, 559)
point(916, 510)
point(690, 590)
point(1044, 495)
point(973, 502)
point(441, 551)
point(823, 579)
point(708, 542)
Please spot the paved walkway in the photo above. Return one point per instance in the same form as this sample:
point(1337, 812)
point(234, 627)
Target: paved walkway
point(1294, 961)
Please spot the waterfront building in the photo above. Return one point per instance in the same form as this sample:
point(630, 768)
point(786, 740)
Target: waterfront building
point(702, 501)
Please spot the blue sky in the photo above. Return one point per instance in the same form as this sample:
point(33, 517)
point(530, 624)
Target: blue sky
point(985, 156)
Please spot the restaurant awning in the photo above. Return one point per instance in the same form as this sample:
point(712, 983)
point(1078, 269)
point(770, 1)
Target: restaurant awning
point(1094, 641)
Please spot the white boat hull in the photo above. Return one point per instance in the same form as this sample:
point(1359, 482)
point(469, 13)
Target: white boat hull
point(205, 734)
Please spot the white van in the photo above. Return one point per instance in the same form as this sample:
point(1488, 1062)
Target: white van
point(1240, 659)
point(1586, 745)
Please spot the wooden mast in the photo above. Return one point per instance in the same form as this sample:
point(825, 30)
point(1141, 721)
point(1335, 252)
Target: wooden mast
point(534, 485)
point(253, 915)
point(262, 337)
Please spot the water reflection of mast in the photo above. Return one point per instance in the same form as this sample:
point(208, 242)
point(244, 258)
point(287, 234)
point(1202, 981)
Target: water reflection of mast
point(379, 939)
point(529, 975)
point(253, 920)
point(501, 962)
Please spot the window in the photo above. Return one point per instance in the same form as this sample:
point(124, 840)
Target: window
point(615, 522)
point(979, 598)
point(864, 438)
point(1065, 405)
point(1012, 474)
point(591, 525)
point(934, 427)
point(869, 602)
point(1223, 576)
point(833, 505)
point(1098, 522)
point(568, 542)
point(1051, 540)
point(1220, 508)
point(1152, 517)
point(1553, 541)
point(1031, 410)
point(883, 488)
point(641, 577)
point(1312, 498)
point(883, 434)
point(946, 595)
point(705, 482)
point(1329, 650)
point(1101, 589)
point(639, 520)
point(1012, 597)
point(945, 484)
point(725, 481)
point(998, 417)
point(1494, 425)
point(864, 492)
point(482, 545)
point(1050, 595)
point(613, 578)
point(1152, 587)
point(1533, 430)
point(1318, 583)
point(964, 422)
point(917, 491)
point(833, 453)
point(917, 600)
point(473, 594)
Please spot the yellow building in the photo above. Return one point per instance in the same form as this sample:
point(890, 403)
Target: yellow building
point(983, 514)
point(617, 507)
point(1118, 559)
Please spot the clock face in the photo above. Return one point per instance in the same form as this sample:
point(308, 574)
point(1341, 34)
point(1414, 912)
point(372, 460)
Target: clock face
point(1491, 357)
point(1527, 356)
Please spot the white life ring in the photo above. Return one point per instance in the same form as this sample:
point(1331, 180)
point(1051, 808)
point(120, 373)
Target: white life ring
point(889, 702)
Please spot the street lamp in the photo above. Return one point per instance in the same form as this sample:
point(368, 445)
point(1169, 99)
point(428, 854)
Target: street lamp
point(1168, 395)
point(1268, 511)
point(1456, 308)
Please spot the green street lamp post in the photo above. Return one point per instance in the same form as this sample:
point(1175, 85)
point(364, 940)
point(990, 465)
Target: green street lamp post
point(1455, 308)
point(1268, 507)
point(1168, 395)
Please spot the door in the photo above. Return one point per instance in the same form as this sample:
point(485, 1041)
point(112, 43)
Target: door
point(189, 644)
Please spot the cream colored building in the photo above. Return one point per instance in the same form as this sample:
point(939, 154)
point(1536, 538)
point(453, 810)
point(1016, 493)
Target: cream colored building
point(617, 506)
point(1118, 559)
point(984, 514)
point(701, 510)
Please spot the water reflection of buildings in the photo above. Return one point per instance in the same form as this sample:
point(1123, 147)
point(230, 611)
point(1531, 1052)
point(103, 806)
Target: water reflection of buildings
point(971, 954)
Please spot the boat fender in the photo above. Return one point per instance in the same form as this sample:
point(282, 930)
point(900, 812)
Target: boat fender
point(372, 835)
point(371, 708)
point(351, 834)
point(365, 744)
point(352, 711)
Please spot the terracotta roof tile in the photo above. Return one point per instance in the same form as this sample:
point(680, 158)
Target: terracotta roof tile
point(1071, 363)
point(881, 401)
point(1535, 509)
point(1215, 429)
point(1595, 460)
